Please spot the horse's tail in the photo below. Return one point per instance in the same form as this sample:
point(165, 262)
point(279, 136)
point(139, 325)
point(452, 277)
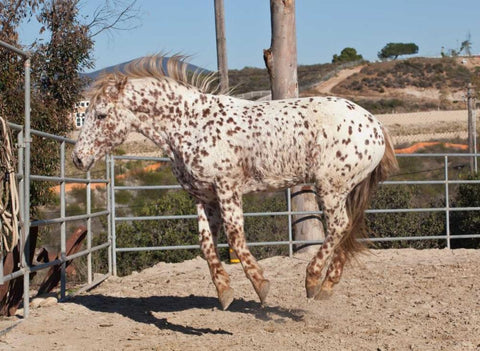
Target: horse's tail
point(359, 198)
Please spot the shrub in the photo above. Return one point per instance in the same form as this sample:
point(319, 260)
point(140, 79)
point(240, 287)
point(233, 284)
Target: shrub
point(271, 228)
point(466, 222)
point(185, 231)
point(149, 233)
point(409, 224)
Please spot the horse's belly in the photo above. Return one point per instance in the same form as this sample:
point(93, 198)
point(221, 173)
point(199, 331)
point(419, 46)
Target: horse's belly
point(271, 183)
point(196, 186)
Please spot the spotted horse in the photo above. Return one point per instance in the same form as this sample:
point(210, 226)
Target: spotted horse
point(222, 147)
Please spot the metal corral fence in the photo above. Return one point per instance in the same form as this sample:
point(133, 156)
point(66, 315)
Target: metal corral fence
point(289, 241)
point(26, 178)
point(112, 219)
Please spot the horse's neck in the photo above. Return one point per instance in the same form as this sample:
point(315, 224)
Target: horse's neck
point(165, 107)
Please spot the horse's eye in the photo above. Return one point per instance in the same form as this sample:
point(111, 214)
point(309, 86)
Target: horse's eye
point(101, 115)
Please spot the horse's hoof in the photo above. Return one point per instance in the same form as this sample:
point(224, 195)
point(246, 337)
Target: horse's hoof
point(263, 290)
point(324, 294)
point(226, 298)
point(313, 290)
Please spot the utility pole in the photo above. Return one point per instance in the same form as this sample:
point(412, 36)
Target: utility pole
point(221, 45)
point(281, 62)
point(222, 69)
point(472, 127)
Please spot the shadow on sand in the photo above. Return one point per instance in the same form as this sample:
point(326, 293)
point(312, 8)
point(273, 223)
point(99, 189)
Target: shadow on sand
point(141, 309)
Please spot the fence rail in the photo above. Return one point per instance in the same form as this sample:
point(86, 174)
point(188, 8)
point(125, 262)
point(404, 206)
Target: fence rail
point(289, 213)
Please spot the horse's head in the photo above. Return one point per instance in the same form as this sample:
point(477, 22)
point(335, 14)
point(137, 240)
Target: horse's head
point(107, 124)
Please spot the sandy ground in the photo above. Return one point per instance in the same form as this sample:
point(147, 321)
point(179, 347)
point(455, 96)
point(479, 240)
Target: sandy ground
point(409, 128)
point(424, 118)
point(389, 300)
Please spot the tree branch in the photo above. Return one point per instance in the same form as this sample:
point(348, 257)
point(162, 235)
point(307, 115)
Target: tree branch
point(107, 18)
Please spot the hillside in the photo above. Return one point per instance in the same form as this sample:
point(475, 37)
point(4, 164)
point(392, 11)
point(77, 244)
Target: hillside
point(254, 79)
point(410, 85)
point(121, 68)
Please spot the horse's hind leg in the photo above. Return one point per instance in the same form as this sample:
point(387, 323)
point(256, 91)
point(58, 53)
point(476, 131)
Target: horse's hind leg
point(338, 224)
point(334, 273)
point(231, 208)
point(209, 222)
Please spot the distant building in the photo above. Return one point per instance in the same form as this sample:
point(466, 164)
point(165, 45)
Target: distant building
point(78, 113)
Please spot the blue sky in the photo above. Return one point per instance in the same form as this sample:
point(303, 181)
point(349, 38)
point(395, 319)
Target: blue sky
point(324, 28)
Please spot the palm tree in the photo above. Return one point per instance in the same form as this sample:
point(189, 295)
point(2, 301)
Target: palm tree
point(466, 46)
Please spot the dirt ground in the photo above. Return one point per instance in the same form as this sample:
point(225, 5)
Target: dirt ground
point(388, 300)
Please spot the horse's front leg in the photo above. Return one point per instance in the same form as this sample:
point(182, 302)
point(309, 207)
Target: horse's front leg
point(209, 222)
point(231, 209)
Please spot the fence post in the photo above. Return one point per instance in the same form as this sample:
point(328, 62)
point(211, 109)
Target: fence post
point(63, 224)
point(112, 214)
point(447, 204)
point(89, 229)
point(26, 192)
point(290, 229)
point(472, 128)
point(109, 214)
point(281, 62)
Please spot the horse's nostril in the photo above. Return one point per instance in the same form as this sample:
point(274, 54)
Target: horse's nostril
point(77, 161)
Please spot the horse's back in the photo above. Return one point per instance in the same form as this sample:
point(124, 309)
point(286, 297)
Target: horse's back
point(277, 144)
point(307, 139)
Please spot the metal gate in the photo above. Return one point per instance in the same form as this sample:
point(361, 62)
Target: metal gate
point(25, 178)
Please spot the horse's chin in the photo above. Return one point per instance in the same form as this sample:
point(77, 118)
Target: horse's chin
point(89, 166)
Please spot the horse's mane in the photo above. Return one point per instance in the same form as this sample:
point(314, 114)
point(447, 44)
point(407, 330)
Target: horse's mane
point(153, 66)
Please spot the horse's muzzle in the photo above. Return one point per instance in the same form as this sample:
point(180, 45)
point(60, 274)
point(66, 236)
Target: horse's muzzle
point(77, 162)
point(83, 165)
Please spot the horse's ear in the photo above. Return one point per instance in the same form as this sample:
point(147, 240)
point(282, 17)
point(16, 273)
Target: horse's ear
point(121, 84)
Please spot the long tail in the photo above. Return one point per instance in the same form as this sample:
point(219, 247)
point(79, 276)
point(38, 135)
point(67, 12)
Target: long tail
point(359, 198)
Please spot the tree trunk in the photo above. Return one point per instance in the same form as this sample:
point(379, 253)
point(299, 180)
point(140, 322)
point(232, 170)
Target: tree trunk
point(221, 45)
point(281, 62)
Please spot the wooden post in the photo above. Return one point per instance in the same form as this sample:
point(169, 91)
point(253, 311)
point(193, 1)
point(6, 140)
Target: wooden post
point(221, 45)
point(472, 128)
point(281, 62)
point(222, 68)
point(281, 58)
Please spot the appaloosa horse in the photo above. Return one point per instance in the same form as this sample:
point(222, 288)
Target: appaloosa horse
point(222, 147)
